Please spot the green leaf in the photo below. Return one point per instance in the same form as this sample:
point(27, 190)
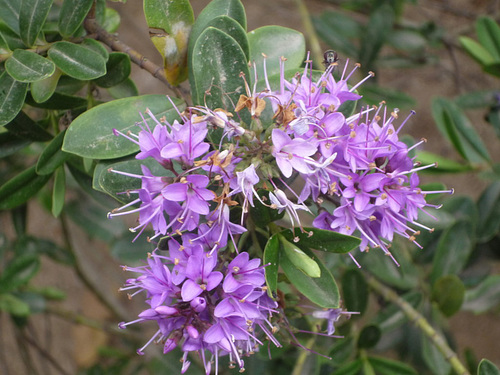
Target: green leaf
point(72, 14)
point(9, 13)
point(488, 33)
point(52, 156)
point(403, 277)
point(12, 95)
point(476, 50)
point(77, 61)
point(323, 240)
point(493, 69)
point(115, 184)
point(487, 368)
point(58, 192)
point(369, 337)
point(10, 144)
point(378, 29)
point(433, 358)
point(24, 127)
point(232, 28)
point(32, 15)
point(276, 42)
point(263, 215)
point(493, 117)
point(352, 368)
point(22, 187)
point(231, 8)
point(117, 70)
point(218, 61)
point(170, 24)
point(271, 260)
point(127, 252)
point(58, 101)
point(26, 66)
point(18, 272)
point(300, 259)
point(322, 290)
point(391, 317)
point(42, 90)
point(125, 89)
point(390, 367)
point(96, 47)
point(444, 165)
point(69, 86)
point(448, 292)
point(338, 29)
point(12, 39)
point(453, 250)
point(14, 306)
point(111, 20)
point(484, 296)
point(374, 94)
point(489, 213)
point(355, 291)
point(476, 99)
point(91, 134)
point(455, 126)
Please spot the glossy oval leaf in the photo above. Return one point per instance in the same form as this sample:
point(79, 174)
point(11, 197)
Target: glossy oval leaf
point(12, 39)
point(96, 47)
point(487, 368)
point(12, 95)
point(42, 90)
point(323, 240)
point(59, 101)
point(9, 13)
point(322, 290)
point(231, 8)
point(170, 25)
point(72, 14)
point(26, 66)
point(489, 213)
point(20, 188)
point(118, 69)
point(355, 291)
point(231, 27)
point(453, 251)
point(124, 89)
point(52, 157)
point(77, 61)
point(218, 61)
point(276, 42)
point(300, 259)
point(24, 127)
point(91, 134)
point(455, 126)
point(448, 292)
point(111, 21)
point(32, 15)
point(271, 260)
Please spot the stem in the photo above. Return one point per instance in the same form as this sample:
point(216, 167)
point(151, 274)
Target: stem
point(311, 35)
point(420, 321)
point(142, 61)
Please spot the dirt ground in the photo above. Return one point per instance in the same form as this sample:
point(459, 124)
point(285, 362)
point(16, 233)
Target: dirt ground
point(75, 346)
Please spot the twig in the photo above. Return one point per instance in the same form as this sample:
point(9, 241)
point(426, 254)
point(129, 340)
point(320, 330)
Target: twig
point(45, 354)
point(142, 61)
point(420, 321)
point(311, 35)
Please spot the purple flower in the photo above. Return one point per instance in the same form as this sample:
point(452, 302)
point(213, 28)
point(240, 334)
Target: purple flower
point(290, 153)
point(192, 189)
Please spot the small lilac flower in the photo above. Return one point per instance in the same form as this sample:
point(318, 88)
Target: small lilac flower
point(192, 189)
point(290, 153)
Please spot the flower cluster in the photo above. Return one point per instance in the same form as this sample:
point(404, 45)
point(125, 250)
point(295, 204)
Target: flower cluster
point(202, 297)
point(204, 306)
